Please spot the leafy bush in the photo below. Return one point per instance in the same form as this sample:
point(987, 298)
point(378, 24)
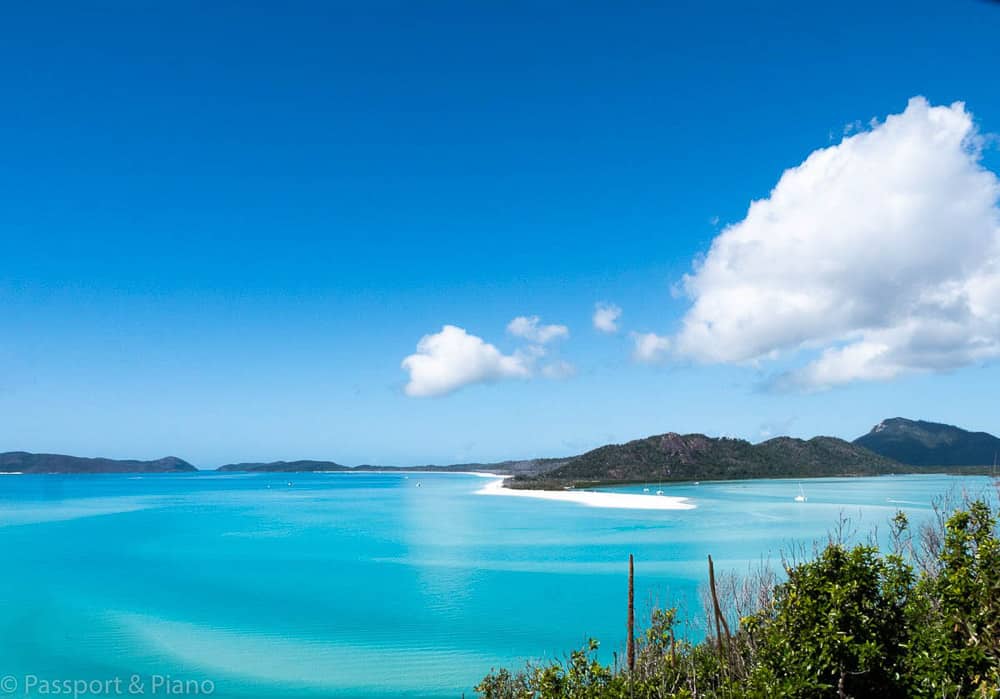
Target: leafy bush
point(955, 614)
point(837, 626)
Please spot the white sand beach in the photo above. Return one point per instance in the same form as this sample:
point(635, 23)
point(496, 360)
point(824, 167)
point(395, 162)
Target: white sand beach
point(591, 498)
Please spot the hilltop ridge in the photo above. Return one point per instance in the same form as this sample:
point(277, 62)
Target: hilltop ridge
point(922, 443)
point(26, 462)
point(677, 457)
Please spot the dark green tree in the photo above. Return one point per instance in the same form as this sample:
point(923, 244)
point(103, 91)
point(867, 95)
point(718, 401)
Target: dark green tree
point(955, 615)
point(836, 628)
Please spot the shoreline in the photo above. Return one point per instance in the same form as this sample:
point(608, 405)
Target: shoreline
point(591, 498)
point(481, 474)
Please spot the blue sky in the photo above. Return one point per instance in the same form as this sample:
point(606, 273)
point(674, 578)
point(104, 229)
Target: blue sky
point(223, 229)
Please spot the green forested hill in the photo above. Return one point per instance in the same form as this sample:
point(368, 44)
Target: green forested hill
point(25, 462)
point(924, 443)
point(676, 457)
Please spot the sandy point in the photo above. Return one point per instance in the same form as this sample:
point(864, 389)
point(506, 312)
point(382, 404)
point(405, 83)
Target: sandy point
point(591, 498)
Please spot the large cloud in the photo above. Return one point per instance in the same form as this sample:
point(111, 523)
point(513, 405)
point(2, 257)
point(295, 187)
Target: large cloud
point(876, 257)
point(452, 358)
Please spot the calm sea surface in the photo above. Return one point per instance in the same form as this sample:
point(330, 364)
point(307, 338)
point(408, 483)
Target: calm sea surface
point(365, 585)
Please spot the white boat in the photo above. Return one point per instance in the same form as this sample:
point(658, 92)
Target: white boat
point(801, 497)
point(659, 492)
point(645, 490)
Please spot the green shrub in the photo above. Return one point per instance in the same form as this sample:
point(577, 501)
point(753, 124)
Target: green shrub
point(837, 627)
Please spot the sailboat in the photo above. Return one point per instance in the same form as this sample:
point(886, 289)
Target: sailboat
point(801, 497)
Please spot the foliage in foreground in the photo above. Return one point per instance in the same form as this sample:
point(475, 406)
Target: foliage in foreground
point(920, 621)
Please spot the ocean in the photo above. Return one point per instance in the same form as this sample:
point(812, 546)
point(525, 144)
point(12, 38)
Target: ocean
point(364, 585)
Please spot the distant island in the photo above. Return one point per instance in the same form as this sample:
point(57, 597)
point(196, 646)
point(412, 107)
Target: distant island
point(896, 445)
point(921, 443)
point(689, 457)
point(301, 466)
point(23, 462)
point(310, 466)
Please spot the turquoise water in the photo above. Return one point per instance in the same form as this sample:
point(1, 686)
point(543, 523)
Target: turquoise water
point(365, 585)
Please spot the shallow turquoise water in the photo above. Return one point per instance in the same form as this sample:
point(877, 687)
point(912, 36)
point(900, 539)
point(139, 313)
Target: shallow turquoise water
point(364, 585)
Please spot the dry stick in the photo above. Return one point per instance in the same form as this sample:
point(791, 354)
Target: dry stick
point(719, 617)
point(715, 604)
point(631, 615)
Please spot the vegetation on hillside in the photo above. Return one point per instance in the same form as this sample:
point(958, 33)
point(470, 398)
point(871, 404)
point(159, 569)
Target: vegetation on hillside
point(25, 462)
point(921, 620)
point(676, 457)
point(922, 443)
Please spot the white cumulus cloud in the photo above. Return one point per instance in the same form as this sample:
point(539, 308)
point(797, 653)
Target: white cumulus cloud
point(606, 317)
point(649, 347)
point(875, 257)
point(531, 329)
point(447, 360)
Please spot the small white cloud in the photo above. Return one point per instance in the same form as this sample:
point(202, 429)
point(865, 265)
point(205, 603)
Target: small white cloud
point(606, 317)
point(874, 258)
point(531, 329)
point(452, 358)
point(650, 347)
